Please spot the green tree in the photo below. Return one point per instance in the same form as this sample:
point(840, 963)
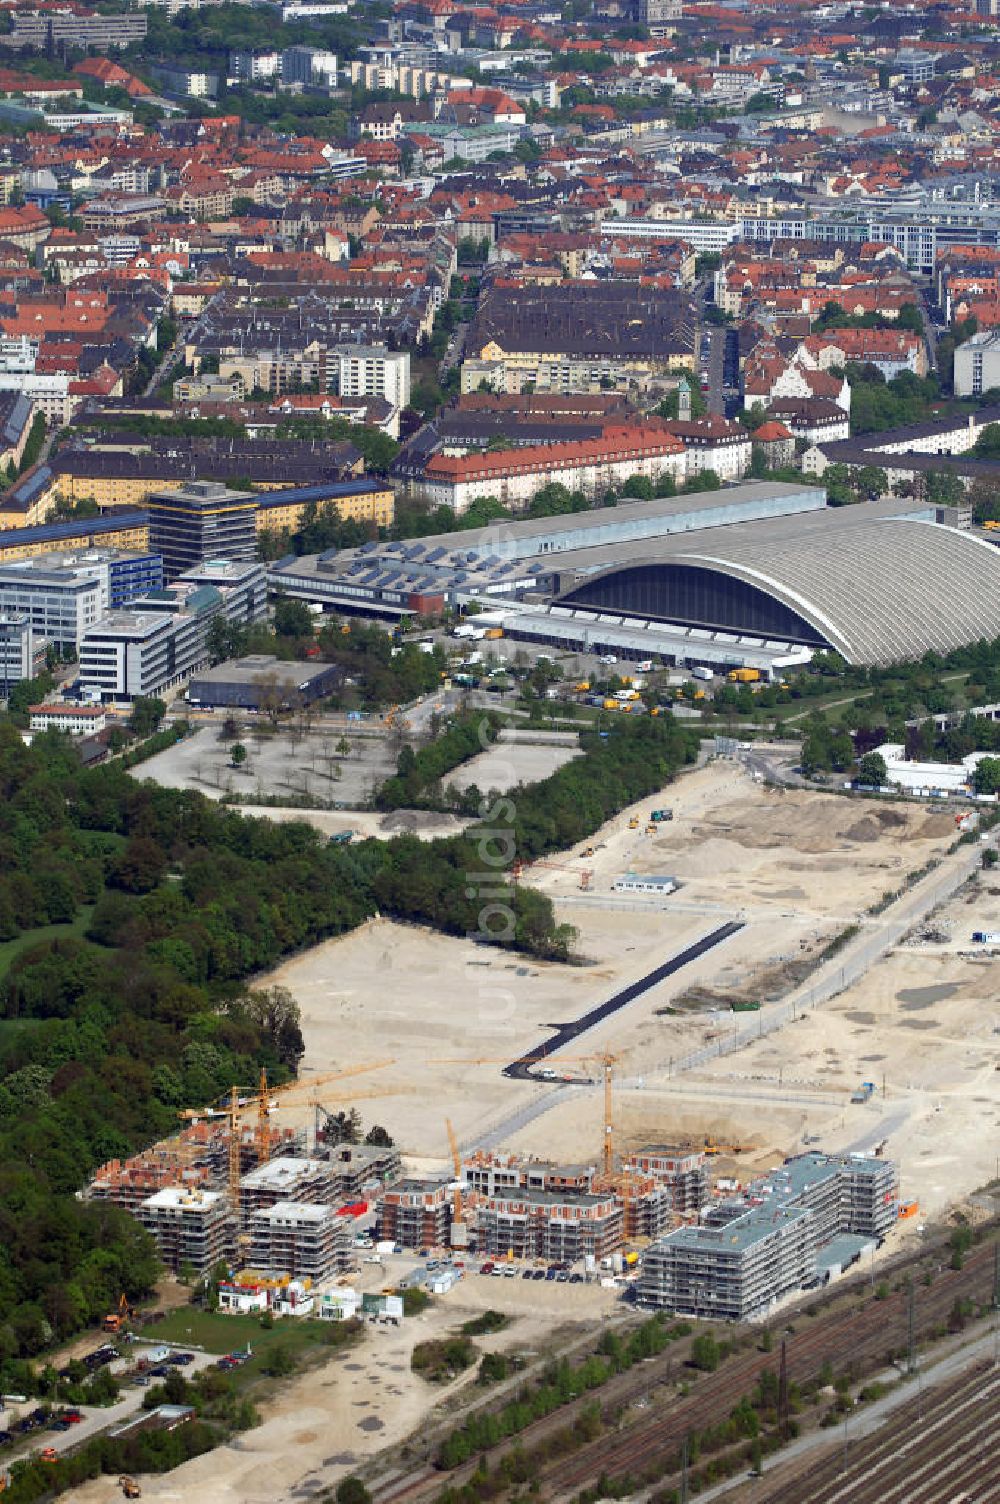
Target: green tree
point(147, 713)
point(351, 1490)
point(237, 754)
point(986, 776)
point(872, 770)
point(292, 619)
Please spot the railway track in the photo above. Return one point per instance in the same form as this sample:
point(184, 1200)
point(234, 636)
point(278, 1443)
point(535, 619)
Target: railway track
point(855, 1342)
point(939, 1446)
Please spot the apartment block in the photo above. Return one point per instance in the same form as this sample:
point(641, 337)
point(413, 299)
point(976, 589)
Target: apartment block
point(590, 465)
point(309, 66)
point(286, 1180)
point(416, 1214)
point(681, 1171)
point(550, 1225)
point(358, 1168)
point(45, 29)
point(748, 1252)
point(731, 1272)
point(373, 371)
point(191, 1227)
point(304, 1239)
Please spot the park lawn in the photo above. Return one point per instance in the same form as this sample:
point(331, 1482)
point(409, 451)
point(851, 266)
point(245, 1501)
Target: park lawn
point(216, 1333)
point(11, 949)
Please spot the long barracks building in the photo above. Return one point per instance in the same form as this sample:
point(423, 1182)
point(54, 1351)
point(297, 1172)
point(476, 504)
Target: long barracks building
point(364, 500)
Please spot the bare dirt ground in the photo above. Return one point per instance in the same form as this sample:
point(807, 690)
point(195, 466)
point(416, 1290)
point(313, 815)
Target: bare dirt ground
point(331, 1419)
point(507, 764)
point(797, 868)
point(289, 762)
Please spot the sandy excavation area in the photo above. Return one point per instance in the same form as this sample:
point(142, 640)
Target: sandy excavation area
point(795, 867)
point(331, 1419)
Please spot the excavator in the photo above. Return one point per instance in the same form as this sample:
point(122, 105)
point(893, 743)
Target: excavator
point(116, 1321)
point(129, 1487)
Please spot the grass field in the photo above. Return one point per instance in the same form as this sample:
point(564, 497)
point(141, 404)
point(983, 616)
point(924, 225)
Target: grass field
point(11, 949)
point(215, 1333)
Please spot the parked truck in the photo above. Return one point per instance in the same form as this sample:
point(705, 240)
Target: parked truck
point(701, 672)
point(341, 838)
point(743, 675)
point(658, 816)
point(864, 1092)
point(986, 937)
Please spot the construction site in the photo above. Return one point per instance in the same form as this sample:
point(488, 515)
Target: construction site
point(233, 1187)
point(644, 1149)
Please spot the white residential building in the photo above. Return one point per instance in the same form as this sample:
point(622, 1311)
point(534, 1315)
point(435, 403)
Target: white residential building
point(78, 720)
point(373, 371)
point(309, 66)
point(977, 364)
point(16, 650)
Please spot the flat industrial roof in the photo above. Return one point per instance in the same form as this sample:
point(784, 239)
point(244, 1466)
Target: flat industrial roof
point(248, 670)
point(485, 539)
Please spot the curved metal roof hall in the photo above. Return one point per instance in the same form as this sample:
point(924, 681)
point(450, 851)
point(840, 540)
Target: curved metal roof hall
point(876, 588)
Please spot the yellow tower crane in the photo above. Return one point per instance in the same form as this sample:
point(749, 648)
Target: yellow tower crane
point(607, 1062)
point(239, 1102)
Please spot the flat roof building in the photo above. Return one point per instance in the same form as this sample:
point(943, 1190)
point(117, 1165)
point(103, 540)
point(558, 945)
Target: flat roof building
point(191, 1227)
point(247, 683)
point(16, 650)
point(304, 1239)
point(748, 1253)
point(203, 520)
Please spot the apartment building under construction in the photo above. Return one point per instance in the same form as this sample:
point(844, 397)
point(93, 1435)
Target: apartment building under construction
point(304, 1239)
point(683, 1172)
point(416, 1214)
point(550, 1224)
point(804, 1222)
point(196, 1158)
point(286, 1179)
point(193, 1228)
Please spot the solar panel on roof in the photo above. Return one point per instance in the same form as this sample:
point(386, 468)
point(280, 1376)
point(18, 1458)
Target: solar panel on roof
point(435, 554)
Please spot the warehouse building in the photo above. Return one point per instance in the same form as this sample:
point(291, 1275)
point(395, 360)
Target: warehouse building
point(507, 560)
point(759, 575)
point(247, 683)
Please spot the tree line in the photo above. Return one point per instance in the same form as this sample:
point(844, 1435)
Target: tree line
point(106, 1034)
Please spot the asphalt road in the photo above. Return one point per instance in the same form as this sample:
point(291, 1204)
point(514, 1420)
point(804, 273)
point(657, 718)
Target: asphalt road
point(520, 1069)
point(716, 396)
point(96, 1418)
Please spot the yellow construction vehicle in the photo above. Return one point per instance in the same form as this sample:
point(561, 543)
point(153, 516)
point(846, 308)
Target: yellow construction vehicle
point(115, 1321)
point(633, 824)
point(129, 1487)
